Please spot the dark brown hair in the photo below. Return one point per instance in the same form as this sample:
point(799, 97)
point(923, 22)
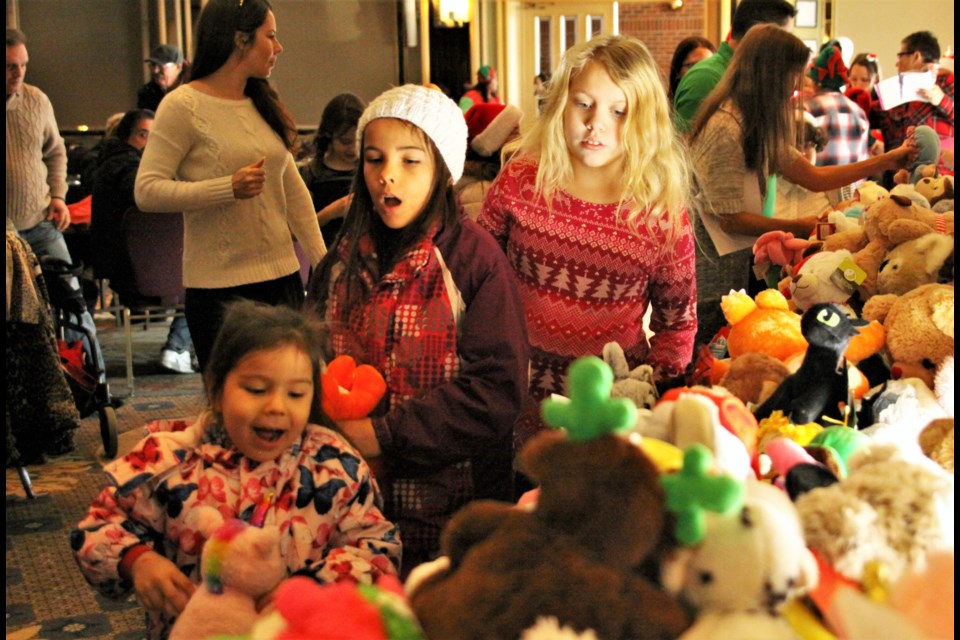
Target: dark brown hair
point(217, 28)
point(361, 218)
point(761, 81)
point(250, 326)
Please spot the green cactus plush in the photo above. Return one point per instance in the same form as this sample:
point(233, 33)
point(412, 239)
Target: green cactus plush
point(694, 490)
point(590, 412)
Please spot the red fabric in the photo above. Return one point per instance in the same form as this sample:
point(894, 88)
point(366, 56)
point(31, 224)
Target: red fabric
point(479, 117)
point(80, 212)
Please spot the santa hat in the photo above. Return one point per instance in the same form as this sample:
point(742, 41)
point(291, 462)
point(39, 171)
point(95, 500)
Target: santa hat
point(828, 69)
point(489, 126)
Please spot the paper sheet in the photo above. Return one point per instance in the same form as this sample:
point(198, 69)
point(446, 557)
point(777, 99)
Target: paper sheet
point(904, 87)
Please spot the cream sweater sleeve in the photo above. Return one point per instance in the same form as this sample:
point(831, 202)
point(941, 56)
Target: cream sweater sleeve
point(301, 217)
point(173, 137)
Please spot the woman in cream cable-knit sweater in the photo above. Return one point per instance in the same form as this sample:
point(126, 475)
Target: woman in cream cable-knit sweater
point(220, 152)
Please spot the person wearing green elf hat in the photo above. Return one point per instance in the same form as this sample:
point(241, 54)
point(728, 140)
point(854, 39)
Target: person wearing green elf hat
point(846, 124)
point(484, 92)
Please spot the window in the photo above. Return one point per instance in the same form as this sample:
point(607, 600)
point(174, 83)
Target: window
point(569, 33)
point(543, 45)
point(594, 26)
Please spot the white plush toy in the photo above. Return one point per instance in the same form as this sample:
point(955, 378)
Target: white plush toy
point(240, 563)
point(692, 416)
point(823, 277)
point(887, 512)
point(750, 564)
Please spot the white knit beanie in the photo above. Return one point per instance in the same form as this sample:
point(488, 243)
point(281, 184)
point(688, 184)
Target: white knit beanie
point(437, 115)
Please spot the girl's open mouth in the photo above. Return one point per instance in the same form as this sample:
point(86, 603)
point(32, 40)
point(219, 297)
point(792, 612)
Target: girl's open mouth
point(270, 435)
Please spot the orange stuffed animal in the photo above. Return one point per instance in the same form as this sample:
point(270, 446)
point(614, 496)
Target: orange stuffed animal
point(348, 391)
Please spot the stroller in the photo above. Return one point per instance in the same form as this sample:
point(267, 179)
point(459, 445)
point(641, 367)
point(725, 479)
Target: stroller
point(80, 367)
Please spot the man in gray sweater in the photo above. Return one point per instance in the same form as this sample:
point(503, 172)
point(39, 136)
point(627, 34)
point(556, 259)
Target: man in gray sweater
point(37, 170)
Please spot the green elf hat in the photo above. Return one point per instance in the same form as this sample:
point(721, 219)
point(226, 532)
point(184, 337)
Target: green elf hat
point(828, 69)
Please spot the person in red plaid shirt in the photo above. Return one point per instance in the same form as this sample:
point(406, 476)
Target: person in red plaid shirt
point(919, 51)
point(847, 127)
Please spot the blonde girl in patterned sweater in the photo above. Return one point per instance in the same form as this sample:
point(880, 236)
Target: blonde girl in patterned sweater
point(590, 213)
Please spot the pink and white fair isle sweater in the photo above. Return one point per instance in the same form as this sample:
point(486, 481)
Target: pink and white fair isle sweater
point(585, 279)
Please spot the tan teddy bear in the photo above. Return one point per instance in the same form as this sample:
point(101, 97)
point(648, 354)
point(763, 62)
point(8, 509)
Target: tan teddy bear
point(916, 263)
point(888, 223)
point(919, 329)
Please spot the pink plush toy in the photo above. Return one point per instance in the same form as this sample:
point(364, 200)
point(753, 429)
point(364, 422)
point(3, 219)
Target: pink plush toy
point(240, 563)
point(777, 248)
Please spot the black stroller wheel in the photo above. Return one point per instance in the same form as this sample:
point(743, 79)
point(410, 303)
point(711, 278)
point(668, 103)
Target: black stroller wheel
point(108, 431)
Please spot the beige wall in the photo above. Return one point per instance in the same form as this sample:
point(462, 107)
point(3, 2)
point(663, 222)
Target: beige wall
point(878, 26)
point(86, 54)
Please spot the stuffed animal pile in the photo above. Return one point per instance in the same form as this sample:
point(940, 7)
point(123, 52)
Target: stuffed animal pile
point(665, 523)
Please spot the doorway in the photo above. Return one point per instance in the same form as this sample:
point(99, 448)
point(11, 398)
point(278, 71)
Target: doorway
point(538, 33)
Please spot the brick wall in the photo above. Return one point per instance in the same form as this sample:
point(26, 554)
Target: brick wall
point(660, 28)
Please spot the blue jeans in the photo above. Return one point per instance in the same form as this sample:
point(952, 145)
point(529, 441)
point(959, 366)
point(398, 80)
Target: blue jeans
point(45, 240)
point(178, 338)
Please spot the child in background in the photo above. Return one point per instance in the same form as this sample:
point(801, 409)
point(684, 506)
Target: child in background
point(862, 78)
point(590, 213)
point(330, 173)
point(419, 291)
point(258, 445)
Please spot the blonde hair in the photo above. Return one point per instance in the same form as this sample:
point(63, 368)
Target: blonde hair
point(655, 176)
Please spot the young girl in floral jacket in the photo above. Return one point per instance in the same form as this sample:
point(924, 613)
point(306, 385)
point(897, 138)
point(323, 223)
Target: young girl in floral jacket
point(257, 454)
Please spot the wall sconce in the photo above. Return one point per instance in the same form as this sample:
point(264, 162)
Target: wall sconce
point(675, 5)
point(453, 13)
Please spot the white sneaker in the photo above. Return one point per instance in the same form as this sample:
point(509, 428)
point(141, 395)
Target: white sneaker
point(176, 362)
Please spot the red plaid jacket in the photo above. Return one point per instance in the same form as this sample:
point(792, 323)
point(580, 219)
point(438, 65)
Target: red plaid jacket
point(894, 123)
point(446, 328)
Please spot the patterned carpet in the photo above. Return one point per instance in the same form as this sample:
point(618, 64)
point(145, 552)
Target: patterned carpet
point(46, 595)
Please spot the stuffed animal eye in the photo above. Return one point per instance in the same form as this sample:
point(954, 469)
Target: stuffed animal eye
point(828, 317)
point(706, 577)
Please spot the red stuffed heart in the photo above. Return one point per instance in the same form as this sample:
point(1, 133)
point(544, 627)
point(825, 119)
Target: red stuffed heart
point(348, 391)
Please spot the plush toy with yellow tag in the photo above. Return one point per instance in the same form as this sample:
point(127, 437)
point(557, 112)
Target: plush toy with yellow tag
point(825, 277)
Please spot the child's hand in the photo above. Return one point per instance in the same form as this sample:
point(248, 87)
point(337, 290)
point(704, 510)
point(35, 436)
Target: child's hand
point(160, 585)
point(336, 209)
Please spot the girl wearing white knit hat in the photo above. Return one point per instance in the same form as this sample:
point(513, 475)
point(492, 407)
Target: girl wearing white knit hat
point(422, 293)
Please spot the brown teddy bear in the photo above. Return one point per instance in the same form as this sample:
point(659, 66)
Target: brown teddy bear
point(919, 329)
point(935, 189)
point(577, 557)
point(888, 223)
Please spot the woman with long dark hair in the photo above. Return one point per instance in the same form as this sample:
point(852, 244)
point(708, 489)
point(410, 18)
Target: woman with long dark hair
point(220, 152)
point(744, 133)
point(689, 52)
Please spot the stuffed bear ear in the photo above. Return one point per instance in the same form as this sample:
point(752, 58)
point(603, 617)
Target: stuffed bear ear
point(613, 355)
